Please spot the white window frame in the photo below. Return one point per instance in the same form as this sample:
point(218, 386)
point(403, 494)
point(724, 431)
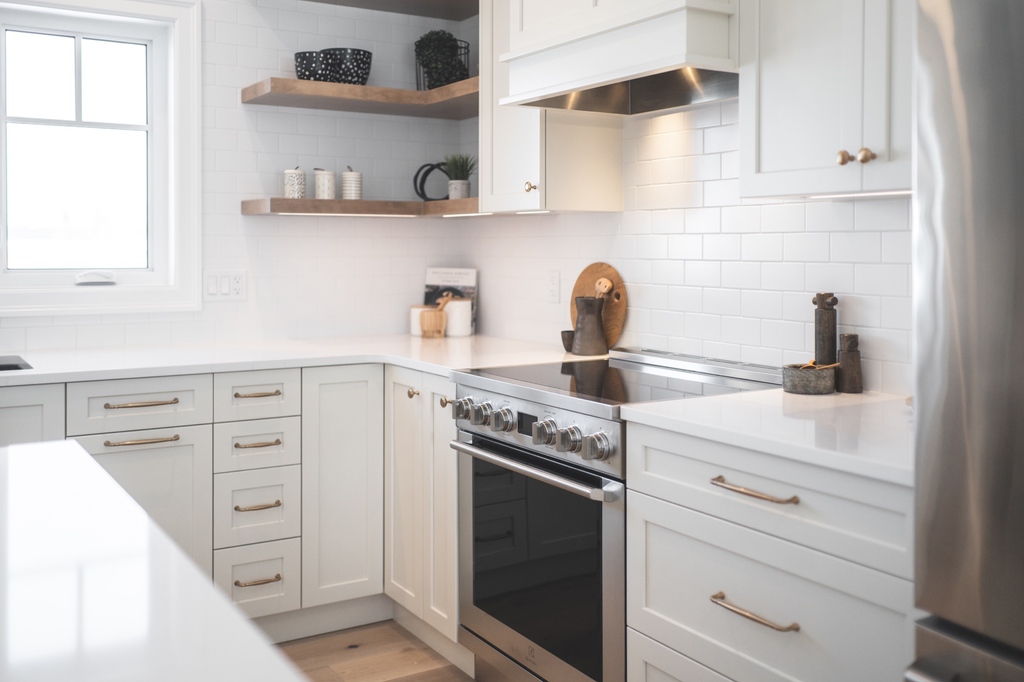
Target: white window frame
point(172, 281)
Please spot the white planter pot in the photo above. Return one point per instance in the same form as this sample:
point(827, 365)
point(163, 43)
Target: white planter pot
point(458, 189)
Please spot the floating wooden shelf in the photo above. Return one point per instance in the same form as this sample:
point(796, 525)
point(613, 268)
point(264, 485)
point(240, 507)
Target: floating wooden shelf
point(439, 9)
point(349, 207)
point(455, 101)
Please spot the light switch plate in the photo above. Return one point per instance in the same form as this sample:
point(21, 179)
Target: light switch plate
point(224, 285)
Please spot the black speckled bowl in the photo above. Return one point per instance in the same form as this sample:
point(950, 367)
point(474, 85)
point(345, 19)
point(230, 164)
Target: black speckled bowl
point(310, 66)
point(347, 65)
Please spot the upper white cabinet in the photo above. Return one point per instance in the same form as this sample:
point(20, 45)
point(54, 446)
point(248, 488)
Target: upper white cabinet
point(29, 414)
point(825, 96)
point(420, 531)
point(342, 483)
point(538, 160)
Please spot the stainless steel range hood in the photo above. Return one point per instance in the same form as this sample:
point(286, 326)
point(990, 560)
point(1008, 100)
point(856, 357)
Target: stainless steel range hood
point(683, 52)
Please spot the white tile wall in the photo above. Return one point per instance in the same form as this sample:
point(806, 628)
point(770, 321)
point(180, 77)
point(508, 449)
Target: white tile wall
point(706, 273)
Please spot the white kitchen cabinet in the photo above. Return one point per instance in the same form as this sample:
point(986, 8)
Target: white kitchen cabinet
point(420, 473)
point(342, 483)
point(169, 472)
point(649, 661)
point(30, 414)
point(538, 160)
point(260, 394)
point(258, 505)
point(261, 579)
point(819, 78)
point(146, 403)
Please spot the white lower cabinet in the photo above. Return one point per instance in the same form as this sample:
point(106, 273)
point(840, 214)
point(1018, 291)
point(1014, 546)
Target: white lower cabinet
point(263, 578)
point(257, 506)
point(31, 414)
point(342, 483)
point(648, 661)
point(421, 544)
point(169, 472)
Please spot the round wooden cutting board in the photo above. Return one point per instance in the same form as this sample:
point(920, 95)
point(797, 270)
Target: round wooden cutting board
point(613, 315)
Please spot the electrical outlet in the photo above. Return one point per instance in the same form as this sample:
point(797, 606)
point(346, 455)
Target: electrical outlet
point(224, 285)
point(554, 286)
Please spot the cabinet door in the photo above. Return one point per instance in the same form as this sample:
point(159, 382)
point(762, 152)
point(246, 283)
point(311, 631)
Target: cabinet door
point(404, 488)
point(342, 483)
point(169, 472)
point(31, 414)
point(441, 579)
point(818, 77)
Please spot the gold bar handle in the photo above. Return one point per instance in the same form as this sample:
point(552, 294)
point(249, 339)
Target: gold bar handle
point(142, 441)
point(151, 403)
point(264, 394)
point(265, 581)
point(265, 444)
point(719, 599)
point(720, 482)
point(258, 507)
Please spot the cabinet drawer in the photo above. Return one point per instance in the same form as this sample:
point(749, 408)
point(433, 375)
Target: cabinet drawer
point(648, 661)
point(261, 579)
point(257, 395)
point(130, 404)
point(856, 518)
point(257, 444)
point(256, 506)
point(855, 623)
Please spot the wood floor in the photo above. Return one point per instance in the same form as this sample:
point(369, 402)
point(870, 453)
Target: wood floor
point(381, 652)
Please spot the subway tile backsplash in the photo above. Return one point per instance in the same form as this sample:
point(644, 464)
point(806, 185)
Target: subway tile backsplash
point(706, 272)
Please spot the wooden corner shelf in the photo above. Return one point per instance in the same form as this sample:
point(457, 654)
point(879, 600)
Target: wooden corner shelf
point(361, 207)
point(455, 101)
point(456, 10)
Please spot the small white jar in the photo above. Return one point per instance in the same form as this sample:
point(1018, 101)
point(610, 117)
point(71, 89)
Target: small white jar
point(324, 183)
point(351, 185)
point(460, 317)
point(294, 184)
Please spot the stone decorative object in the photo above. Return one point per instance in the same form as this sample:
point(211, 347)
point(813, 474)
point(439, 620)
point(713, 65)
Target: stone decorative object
point(849, 378)
point(294, 184)
point(808, 380)
point(825, 328)
point(351, 184)
point(323, 181)
point(588, 337)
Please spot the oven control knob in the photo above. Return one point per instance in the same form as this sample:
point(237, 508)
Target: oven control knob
point(503, 420)
point(481, 414)
point(462, 408)
point(569, 439)
point(544, 432)
point(597, 446)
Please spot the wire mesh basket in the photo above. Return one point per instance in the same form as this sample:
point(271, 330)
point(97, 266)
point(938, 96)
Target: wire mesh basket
point(444, 68)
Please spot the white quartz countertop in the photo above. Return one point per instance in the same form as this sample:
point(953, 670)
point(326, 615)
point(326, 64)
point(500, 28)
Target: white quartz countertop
point(91, 589)
point(869, 434)
point(436, 356)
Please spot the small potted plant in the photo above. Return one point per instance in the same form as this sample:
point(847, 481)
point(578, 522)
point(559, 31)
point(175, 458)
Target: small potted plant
point(459, 167)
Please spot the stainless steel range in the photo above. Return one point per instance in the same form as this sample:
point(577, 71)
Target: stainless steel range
point(542, 505)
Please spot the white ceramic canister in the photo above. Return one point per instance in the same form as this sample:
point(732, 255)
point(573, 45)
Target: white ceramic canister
point(294, 184)
point(351, 185)
point(324, 182)
point(460, 317)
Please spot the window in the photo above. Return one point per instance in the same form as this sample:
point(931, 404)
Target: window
point(100, 168)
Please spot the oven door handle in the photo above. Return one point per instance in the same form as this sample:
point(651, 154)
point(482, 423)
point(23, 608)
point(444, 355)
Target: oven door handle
point(609, 493)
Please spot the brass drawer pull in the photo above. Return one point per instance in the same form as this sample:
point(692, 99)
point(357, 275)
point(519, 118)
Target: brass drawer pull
point(265, 581)
point(494, 538)
point(265, 394)
point(142, 441)
point(258, 507)
point(151, 403)
point(412, 393)
point(720, 482)
point(267, 444)
point(719, 598)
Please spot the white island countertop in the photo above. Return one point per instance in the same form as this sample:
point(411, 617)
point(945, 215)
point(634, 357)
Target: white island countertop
point(91, 589)
point(869, 434)
point(435, 356)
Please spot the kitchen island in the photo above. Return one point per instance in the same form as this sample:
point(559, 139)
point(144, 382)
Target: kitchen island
point(92, 589)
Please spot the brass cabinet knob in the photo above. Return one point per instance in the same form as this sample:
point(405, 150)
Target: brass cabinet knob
point(865, 155)
point(530, 186)
point(843, 157)
point(412, 393)
point(445, 401)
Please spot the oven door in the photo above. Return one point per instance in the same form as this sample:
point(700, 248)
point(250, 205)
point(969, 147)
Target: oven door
point(541, 563)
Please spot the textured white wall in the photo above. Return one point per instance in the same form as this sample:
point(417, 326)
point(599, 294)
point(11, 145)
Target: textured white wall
point(706, 273)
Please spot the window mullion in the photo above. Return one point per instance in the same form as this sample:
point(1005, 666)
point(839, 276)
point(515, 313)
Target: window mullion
point(78, 78)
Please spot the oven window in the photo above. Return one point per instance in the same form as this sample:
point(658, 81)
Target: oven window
point(537, 563)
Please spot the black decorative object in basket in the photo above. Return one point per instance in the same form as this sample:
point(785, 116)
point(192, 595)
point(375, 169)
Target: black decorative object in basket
point(347, 64)
point(334, 65)
point(440, 59)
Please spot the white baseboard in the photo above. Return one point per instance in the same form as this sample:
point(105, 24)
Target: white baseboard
point(318, 620)
point(461, 657)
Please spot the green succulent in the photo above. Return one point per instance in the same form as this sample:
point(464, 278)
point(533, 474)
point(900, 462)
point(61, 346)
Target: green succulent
point(437, 52)
point(459, 166)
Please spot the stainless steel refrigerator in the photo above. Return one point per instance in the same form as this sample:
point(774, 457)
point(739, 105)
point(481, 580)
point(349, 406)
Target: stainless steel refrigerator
point(969, 340)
